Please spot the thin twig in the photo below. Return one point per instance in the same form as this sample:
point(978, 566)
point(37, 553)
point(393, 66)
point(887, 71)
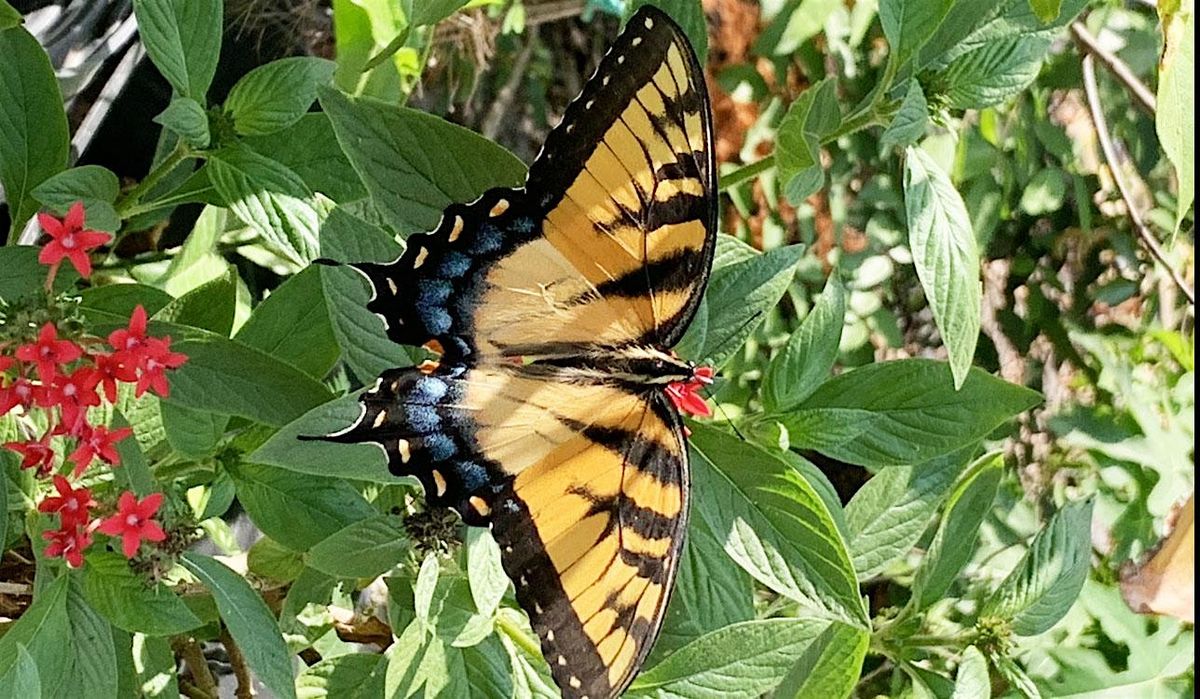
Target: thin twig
point(189, 649)
point(18, 589)
point(1110, 155)
point(245, 683)
point(1088, 43)
point(867, 679)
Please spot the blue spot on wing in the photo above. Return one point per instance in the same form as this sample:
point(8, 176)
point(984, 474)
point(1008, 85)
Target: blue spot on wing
point(440, 447)
point(422, 419)
point(471, 475)
point(454, 264)
point(437, 320)
point(487, 239)
point(429, 390)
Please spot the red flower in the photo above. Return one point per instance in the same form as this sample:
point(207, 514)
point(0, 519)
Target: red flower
point(157, 357)
point(5, 362)
point(69, 239)
point(131, 339)
point(133, 522)
point(49, 352)
point(97, 441)
point(112, 368)
point(72, 505)
point(686, 394)
point(73, 393)
point(34, 453)
point(68, 543)
point(22, 392)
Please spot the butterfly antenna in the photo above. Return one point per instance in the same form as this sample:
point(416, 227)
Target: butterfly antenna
point(713, 397)
point(717, 351)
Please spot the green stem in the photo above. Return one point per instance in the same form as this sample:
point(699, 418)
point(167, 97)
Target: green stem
point(746, 172)
point(387, 52)
point(518, 636)
point(157, 173)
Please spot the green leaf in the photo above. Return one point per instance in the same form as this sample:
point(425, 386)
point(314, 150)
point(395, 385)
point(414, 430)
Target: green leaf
point(911, 122)
point(1047, 581)
point(378, 543)
point(992, 73)
point(24, 275)
point(286, 450)
point(22, 679)
point(350, 676)
point(415, 164)
point(43, 630)
point(808, 357)
point(95, 186)
point(270, 559)
point(310, 149)
point(972, 681)
point(194, 434)
point(742, 660)
point(945, 255)
point(122, 299)
point(1045, 192)
point(908, 24)
point(1175, 118)
point(485, 571)
point(973, 24)
point(903, 412)
point(829, 667)
point(197, 261)
point(739, 296)
point(429, 12)
point(128, 602)
point(274, 96)
point(1046, 10)
point(293, 325)
point(954, 543)
point(183, 39)
point(186, 117)
point(688, 14)
point(249, 621)
point(34, 139)
point(887, 516)
point(270, 199)
point(134, 472)
point(297, 512)
point(9, 17)
point(224, 376)
point(154, 663)
point(798, 142)
point(93, 656)
point(797, 22)
point(774, 524)
point(210, 306)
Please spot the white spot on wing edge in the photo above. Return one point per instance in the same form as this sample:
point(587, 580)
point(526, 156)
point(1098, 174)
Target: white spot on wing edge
point(362, 413)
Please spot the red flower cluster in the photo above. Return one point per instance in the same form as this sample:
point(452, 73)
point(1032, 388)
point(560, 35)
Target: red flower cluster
point(686, 394)
point(64, 377)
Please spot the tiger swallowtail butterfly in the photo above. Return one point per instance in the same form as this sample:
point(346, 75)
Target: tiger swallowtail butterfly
point(549, 415)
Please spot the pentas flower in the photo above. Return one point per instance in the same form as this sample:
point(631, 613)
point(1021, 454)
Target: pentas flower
point(72, 393)
point(156, 358)
point(111, 368)
point(133, 522)
point(132, 338)
point(34, 453)
point(68, 543)
point(22, 392)
point(48, 352)
point(73, 505)
point(686, 394)
point(69, 240)
point(97, 441)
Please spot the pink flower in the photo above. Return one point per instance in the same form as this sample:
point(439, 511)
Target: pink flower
point(69, 240)
point(48, 352)
point(686, 394)
point(69, 543)
point(71, 504)
point(156, 358)
point(97, 441)
point(34, 453)
point(133, 522)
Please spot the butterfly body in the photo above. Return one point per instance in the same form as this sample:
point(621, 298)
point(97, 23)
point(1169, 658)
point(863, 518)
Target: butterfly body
point(549, 413)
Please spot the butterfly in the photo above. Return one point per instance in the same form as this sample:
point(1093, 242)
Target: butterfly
point(550, 414)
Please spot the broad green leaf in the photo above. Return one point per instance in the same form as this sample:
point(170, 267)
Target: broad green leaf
point(21, 679)
point(183, 39)
point(797, 22)
point(134, 473)
point(481, 670)
point(1046, 10)
point(808, 357)
point(908, 24)
point(285, 449)
point(740, 295)
point(310, 149)
point(209, 306)
point(1045, 193)
point(425, 588)
point(992, 73)
point(427, 12)
point(945, 255)
point(378, 543)
point(34, 138)
point(485, 571)
point(1175, 118)
point(122, 299)
point(249, 621)
point(192, 433)
point(197, 261)
point(270, 199)
point(186, 117)
point(154, 663)
point(93, 656)
point(293, 325)
point(274, 96)
point(688, 14)
point(972, 681)
point(24, 275)
point(910, 123)
point(43, 630)
point(350, 676)
point(128, 602)
point(1018, 679)
point(9, 17)
point(743, 660)
point(530, 674)
point(887, 516)
point(773, 524)
point(412, 658)
point(972, 24)
point(903, 412)
point(829, 667)
point(96, 187)
point(224, 376)
point(1046, 582)
point(415, 164)
point(270, 559)
point(297, 512)
point(954, 543)
point(798, 142)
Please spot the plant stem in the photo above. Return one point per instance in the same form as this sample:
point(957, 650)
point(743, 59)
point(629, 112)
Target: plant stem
point(187, 647)
point(152, 178)
point(518, 636)
point(746, 172)
point(1115, 65)
point(386, 52)
point(245, 683)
